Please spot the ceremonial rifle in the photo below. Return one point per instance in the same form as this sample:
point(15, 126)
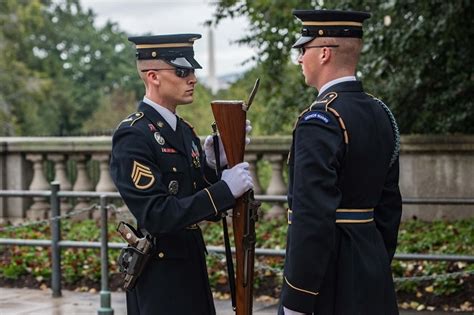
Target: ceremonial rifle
point(230, 117)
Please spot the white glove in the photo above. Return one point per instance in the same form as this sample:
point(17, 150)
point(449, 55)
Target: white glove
point(211, 155)
point(248, 128)
point(238, 179)
point(290, 312)
point(209, 148)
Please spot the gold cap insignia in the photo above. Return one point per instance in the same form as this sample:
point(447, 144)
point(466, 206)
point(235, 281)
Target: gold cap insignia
point(142, 176)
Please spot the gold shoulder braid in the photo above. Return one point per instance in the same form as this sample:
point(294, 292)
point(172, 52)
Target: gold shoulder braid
point(327, 100)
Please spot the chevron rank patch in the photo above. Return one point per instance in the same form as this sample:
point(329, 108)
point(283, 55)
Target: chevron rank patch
point(142, 177)
point(320, 116)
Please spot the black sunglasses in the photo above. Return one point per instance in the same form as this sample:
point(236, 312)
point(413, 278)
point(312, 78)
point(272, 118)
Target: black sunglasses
point(303, 49)
point(180, 72)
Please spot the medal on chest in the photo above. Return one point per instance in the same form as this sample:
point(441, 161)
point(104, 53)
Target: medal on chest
point(195, 156)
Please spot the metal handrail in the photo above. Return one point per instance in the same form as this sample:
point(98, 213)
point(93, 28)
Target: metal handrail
point(105, 305)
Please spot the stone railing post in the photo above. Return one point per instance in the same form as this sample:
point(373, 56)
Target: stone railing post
point(60, 176)
point(83, 183)
point(40, 208)
point(277, 185)
point(252, 159)
point(105, 183)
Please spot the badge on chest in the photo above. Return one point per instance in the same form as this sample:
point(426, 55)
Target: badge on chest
point(173, 187)
point(159, 138)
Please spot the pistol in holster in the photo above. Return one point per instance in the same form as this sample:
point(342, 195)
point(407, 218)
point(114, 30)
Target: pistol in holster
point(133, 258)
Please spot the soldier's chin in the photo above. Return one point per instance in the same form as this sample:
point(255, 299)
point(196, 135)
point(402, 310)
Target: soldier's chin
point(187, 100)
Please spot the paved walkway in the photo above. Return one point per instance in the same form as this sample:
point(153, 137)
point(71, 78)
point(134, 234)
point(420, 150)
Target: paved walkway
point(40, 302)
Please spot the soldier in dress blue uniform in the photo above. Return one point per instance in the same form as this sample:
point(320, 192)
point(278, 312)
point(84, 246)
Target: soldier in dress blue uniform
point(167, 182)
point(344, 199)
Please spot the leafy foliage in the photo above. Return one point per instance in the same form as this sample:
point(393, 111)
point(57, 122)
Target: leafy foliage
point(56, 66)
point(78, 264)
point(417, 57)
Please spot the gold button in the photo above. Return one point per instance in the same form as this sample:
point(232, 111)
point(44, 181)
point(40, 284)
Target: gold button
point(174, 169)
point(153, 54)
point(195, 185)
point(161, 254)
point(321, 32)
point(160, 124)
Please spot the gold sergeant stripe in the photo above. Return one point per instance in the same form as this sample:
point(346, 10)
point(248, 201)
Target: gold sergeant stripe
point(302, 290)
point(212, 200)
point(332, 23)
point(139, 171)
point(171, 45)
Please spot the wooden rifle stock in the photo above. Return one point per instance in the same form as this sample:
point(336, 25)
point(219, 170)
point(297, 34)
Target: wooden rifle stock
point(230, 117)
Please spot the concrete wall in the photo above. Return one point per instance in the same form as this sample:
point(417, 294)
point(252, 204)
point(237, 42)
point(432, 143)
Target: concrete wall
point(430, 167)
point(437, 166)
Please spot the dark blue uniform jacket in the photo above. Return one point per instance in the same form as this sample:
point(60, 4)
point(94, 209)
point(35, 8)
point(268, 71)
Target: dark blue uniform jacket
point(164, 180)
point(343, 267)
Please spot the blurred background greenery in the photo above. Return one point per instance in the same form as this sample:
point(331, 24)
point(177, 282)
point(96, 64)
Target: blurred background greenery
point(61, 75)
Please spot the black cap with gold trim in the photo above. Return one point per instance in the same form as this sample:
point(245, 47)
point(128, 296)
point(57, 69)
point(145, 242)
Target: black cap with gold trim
point(329, 23)
point(175, 49)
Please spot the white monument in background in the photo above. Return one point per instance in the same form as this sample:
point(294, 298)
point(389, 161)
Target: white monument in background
point(211, 77)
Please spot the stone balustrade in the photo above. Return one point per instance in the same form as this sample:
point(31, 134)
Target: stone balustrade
point(430, 166)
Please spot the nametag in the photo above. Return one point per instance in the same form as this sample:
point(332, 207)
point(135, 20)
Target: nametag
point(168, 150)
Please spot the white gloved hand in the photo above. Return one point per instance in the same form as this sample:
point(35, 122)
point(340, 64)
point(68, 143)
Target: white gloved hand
point(248, 128)
point(238, 179)
point(211, 155)
point(209, 148)
point(290, 312)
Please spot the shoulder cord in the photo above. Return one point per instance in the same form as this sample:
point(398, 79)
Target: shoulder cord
point(396, 132)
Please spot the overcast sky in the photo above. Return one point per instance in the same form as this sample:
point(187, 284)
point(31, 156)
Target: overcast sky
point(137, 17)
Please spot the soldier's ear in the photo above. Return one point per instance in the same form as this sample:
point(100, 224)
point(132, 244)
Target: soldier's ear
point(153, 77)
point(325, 54)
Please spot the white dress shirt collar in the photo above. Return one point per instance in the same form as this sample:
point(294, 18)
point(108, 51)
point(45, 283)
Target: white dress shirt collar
point(335, 81)
point(168, 115)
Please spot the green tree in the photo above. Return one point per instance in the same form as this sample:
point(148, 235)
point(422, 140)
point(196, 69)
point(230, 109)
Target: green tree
point(21, 87)
point(417, 57)
point(63, 66)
